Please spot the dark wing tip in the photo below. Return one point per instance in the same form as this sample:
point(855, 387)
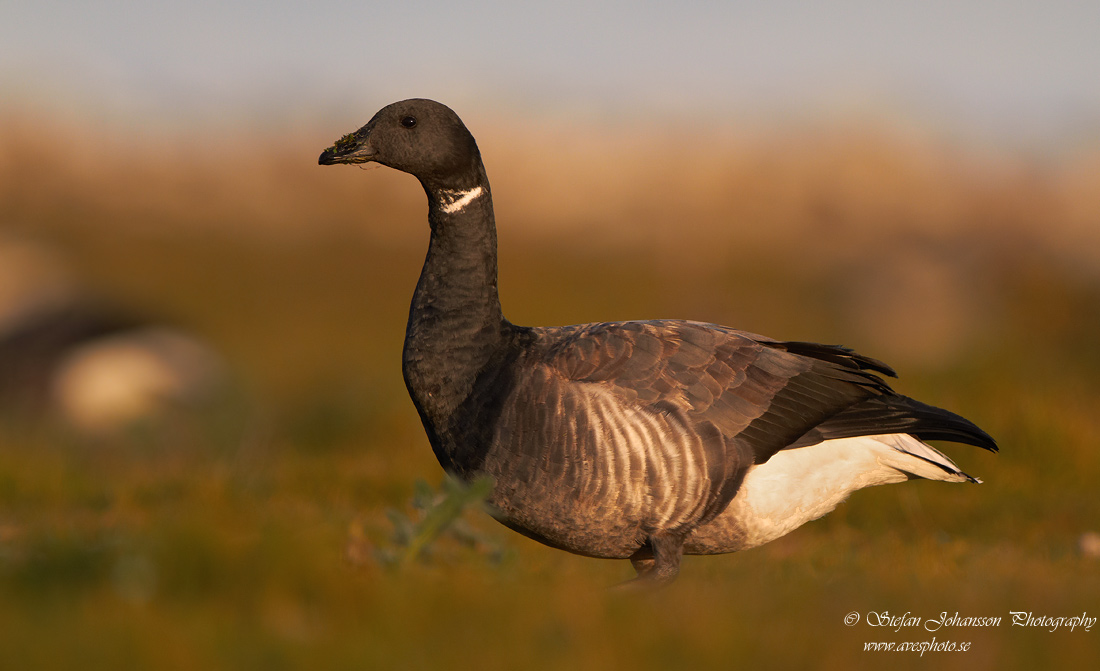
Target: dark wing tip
point(895, 413)
point(836, 354)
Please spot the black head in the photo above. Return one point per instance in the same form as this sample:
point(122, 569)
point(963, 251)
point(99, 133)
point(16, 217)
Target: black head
point(417, 136)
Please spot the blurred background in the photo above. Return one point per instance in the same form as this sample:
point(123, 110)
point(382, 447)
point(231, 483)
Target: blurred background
point(207, 455)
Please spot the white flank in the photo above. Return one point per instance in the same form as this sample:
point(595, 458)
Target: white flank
point(799, 485)
point(455, 201)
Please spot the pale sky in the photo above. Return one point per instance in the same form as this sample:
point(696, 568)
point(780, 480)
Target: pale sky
point(1012, 71)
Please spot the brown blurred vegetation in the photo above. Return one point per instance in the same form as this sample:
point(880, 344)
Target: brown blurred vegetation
point(241, 535)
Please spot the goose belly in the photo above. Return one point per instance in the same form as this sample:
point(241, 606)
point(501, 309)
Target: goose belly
point(799, 485)
point(583, 471)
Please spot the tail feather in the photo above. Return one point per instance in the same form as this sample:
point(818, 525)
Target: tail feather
point(908, 447)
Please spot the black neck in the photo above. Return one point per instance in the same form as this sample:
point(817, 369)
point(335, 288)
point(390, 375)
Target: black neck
point(455, 323)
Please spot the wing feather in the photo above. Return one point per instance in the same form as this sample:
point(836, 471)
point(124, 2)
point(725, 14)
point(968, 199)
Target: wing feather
point(757, 394)
point(637, 412)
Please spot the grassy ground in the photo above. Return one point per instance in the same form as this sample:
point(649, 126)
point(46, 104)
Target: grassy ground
point(246, 533)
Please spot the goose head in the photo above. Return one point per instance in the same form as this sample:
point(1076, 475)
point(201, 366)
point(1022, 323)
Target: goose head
point(421, 137)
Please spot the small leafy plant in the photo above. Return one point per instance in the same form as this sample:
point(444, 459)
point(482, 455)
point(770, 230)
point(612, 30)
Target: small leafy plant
point(437, 520)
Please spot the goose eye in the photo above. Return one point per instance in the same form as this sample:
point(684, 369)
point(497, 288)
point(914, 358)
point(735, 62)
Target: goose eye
point(408, 122)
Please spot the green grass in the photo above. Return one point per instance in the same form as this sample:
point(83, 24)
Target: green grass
point(248, 535)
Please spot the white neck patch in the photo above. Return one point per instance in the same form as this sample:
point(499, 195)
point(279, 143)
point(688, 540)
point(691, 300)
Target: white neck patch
point(455, 201)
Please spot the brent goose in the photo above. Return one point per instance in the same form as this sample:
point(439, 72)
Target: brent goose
point(639, 440)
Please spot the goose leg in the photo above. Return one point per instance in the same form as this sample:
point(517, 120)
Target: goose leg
point(657, 562)
point(643, 565)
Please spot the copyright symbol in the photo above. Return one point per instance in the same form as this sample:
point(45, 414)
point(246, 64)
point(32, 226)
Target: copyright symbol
point(851, 618)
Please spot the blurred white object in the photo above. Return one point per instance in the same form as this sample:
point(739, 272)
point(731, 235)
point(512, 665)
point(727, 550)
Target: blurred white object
point(117, 380)
point(98, 368)
point(1089, 545)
